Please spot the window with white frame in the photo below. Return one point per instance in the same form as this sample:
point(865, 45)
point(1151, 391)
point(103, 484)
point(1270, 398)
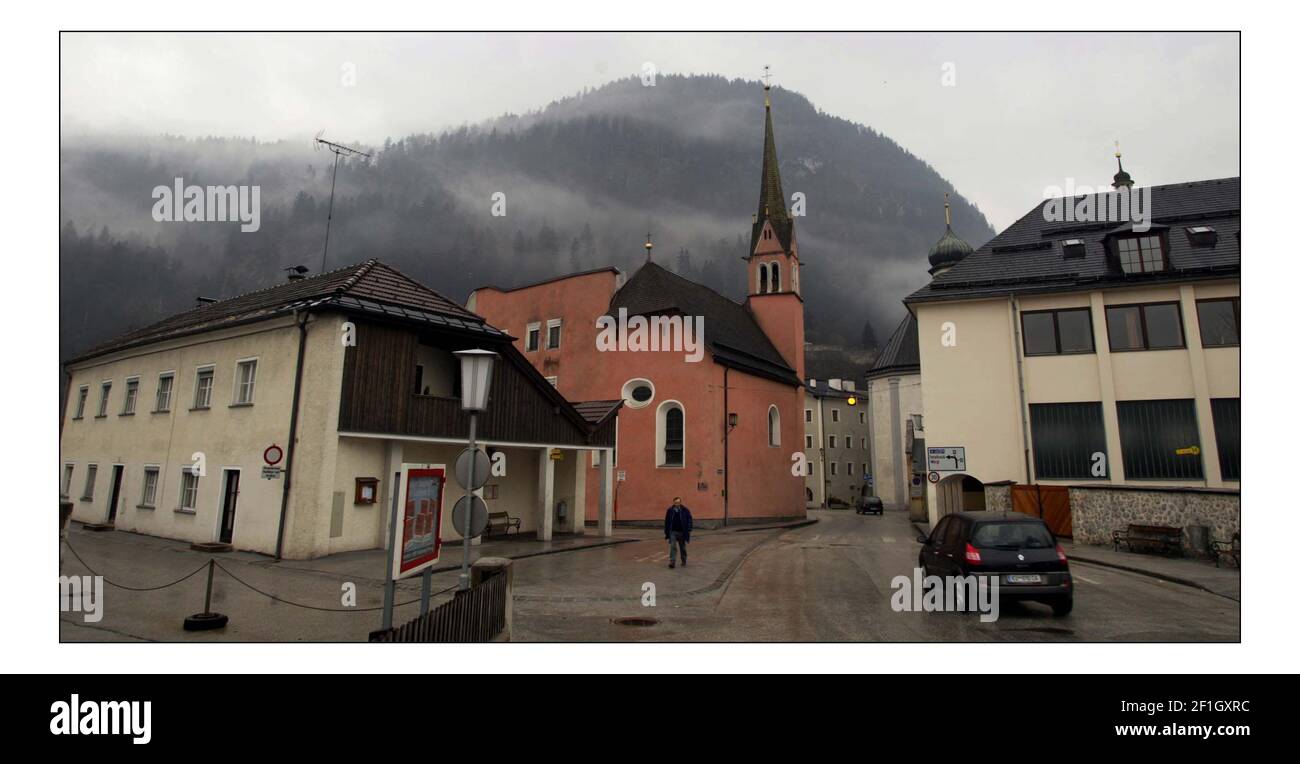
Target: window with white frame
point(835, 415)
point(88, 491)
point(835, 468)
point(65, 486)
point(862, 417)
point(670, 434)
point(553, 327)
point(189, 488)
point(807, 441)
point(807, 415)
point(163, 399)
point(104, 389)
point(149, 495)
point(132, 392)
point(849, 466)
point(203, 387)
point(848, 441)
point(831, 439)
point(773, 426)
point(532, 337)
point(245, 379)
point(776, 277)
point(82, 394)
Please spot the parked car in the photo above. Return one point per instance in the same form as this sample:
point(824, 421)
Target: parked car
point(871, 505)
point(1018, 549)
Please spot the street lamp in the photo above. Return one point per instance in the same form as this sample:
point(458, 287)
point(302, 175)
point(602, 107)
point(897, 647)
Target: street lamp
point(475, 378)
point(475, 383)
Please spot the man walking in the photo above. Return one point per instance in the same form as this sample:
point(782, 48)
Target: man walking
point(677, 530)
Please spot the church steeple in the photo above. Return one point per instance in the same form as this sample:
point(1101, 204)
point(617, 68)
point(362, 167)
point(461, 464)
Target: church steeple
point(773, 268)
point(1122, 179)
point(950, 249)
point(771, 198)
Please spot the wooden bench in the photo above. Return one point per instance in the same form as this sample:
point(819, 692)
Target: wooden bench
point(1231, 548)
point(1149, 538)
point(501, 520)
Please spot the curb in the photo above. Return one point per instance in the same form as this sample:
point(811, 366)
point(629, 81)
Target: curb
point(787, 526)
point(545, 552)
point(1152, 574)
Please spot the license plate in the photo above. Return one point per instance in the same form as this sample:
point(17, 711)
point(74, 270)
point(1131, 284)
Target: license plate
point(1029, 578)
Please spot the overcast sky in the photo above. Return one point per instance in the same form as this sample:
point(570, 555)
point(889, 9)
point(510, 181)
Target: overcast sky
point(1024, 111)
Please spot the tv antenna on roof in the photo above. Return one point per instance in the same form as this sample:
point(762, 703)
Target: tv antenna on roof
point(339, 151)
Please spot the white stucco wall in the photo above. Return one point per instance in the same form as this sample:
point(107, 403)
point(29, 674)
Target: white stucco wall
point(971, 390)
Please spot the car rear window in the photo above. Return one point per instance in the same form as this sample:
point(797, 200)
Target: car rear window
point(1020, 535)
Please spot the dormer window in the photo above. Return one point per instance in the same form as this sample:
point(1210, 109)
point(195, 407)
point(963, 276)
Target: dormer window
point(1073, 248)
point(1202, 236)
point(1140, 254)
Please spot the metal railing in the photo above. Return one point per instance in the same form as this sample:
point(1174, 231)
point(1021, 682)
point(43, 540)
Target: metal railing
point(477, 614)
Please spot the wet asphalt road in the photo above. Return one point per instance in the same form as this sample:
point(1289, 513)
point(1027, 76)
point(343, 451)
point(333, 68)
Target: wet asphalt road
point(829, 581)
point(832, 582)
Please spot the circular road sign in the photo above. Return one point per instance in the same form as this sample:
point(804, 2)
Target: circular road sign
point(478, 516)
point(934, 477)
point(273, 454)
point(482, 468)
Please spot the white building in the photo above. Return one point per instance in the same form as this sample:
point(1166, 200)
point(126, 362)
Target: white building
point(168, 429)
point(1090, 371)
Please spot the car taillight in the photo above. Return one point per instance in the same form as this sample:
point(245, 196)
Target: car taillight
point(1060, 553)
point(972, 555)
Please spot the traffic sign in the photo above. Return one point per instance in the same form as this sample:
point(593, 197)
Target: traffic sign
point(478, 516)
point(482, 468)
point(273, 454)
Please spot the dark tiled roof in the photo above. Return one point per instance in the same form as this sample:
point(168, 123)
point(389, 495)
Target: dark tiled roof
point(595, 412)
point(1027, 257)
point(371, 287)
point(902, 353)
point(730, 331)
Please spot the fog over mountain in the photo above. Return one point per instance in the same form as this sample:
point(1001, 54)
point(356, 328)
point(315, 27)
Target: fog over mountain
point(584, 180)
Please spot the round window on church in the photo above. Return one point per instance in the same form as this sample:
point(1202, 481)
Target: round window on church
point(638, 393)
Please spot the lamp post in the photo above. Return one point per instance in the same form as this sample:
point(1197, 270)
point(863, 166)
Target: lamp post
point(475, 383)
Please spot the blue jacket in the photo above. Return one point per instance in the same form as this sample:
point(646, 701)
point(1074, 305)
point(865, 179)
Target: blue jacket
point(678, 519)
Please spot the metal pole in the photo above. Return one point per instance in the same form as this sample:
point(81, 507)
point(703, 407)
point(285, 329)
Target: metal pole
point(207, 598)
point(330, 217)
point(389, 585)
point(426, 587)
point(469, 500)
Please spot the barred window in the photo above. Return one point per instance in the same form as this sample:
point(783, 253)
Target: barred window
point(1066, 436)
point(1227, 435)
point(1160, 440)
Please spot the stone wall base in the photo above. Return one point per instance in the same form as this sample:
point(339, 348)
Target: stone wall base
point(1097, 511)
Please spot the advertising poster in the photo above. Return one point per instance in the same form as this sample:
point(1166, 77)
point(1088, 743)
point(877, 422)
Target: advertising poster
point(420, 518)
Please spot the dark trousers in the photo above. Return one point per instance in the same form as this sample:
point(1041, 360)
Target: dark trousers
point(676, 540)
